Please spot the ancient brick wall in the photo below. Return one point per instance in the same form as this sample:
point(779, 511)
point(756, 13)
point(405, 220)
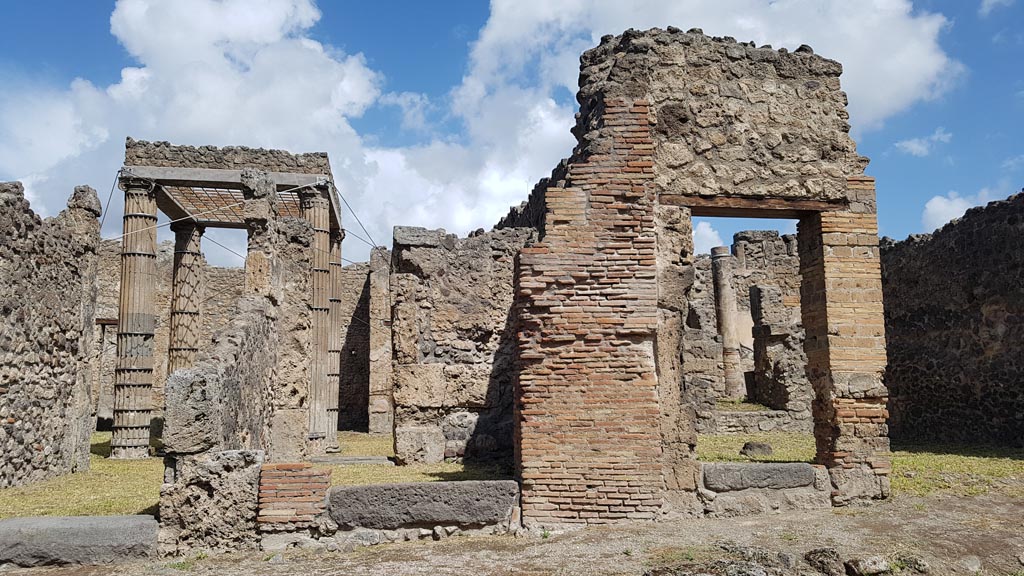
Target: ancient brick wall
point(47, 310)
point(354, 395)
point(221, 289)
point(954, 318)
point(452, 343)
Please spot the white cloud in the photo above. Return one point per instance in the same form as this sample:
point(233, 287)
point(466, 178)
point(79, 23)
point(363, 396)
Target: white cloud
point(235, 72)
point(987, 6)
point(705, 237)
point(922, 147)
point(1014, 163)
point(941, 209)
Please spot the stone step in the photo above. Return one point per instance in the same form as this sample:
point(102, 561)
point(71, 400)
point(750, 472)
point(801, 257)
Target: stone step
point(338, 460)
point(81, 540)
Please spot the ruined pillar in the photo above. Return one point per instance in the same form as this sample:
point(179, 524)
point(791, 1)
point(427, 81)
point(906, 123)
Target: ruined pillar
point(186, 296)
point(316, 210)
point(133, 374)
point(381, 409)
point(725, 310)
point(841, 304)
point(334, 340)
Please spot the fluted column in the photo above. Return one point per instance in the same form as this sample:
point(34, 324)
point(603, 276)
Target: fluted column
point(133, 374)
point(186, 296)
point(725, 310)
point(316, 209)
point(334, 340)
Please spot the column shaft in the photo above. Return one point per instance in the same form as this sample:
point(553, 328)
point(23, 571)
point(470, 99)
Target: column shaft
point(186, 297)
point(316, 209)
point(334, 339)
point(133, 373)
point(725, 310)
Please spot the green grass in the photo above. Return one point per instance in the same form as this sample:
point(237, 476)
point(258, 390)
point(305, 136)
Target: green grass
point(360, 444)
point(786, 447)
point(109, 487)
point(923, 469)
point(917, 469)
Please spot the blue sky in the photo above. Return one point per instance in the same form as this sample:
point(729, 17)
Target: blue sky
point(443, 114)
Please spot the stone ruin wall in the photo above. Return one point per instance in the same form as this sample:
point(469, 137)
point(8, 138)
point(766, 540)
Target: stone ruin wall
point(222, 286)
point(670, 120)
point(243, 402)
point(453, 343)
point(954, 312)
point(47, 309)
point(165, 154)
point(354, 324)
point(771, 352)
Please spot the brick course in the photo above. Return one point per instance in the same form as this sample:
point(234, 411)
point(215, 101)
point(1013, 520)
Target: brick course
point(291, 496)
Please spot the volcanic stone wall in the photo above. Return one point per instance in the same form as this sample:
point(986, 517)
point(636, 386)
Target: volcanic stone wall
point(165, 154)
point(954, 316)
point(453, 344)
point(221, 288)
point(354, 398)
point(47, 304)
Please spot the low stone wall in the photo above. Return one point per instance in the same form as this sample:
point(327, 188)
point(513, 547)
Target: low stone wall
point(744, 489)
point(453, 348)
point(47, 303)
point(954, 320)
point(79, 540)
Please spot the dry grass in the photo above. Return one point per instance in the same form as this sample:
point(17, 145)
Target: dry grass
point(358, 444)
point(110, 487)
point(917, 469)
point(786, 446)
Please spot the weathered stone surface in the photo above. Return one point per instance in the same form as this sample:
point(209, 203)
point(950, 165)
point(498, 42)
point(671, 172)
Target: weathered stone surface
point(756, 449)
point(867, 566)
point(962, 287)
point(826, 561)
point(209, 502)
point(355, 325)
point(423, 505)
point(729, 477)
point(47, 311)
point(83, 540)
point(453, 344)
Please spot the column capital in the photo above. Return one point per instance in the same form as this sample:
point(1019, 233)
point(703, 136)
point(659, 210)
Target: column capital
point(187, 226)
point(132, 183)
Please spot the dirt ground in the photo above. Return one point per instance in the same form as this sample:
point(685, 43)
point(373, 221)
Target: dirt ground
point(944, 530)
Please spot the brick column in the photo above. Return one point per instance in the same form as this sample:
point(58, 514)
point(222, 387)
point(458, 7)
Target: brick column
point(590, 446)
point(841, 303)
point(725, 311)
point(316, 209)
point(186, 296)
point(133, 375)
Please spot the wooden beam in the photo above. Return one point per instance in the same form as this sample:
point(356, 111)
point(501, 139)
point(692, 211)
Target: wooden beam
point(216, 178)
point(744, 207)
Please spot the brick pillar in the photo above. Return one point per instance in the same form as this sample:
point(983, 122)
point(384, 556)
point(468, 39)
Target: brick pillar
point(133, 375)
point(841, 303)
point(316, 209)
point(587, 411)
point(334, 340)
point(725, 311)
point(186, 296)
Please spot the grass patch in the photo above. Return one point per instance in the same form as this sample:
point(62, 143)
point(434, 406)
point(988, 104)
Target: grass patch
point(923, 469)
point(109, 487)
point(726, 405)
point(359, 444)
point(786, 447)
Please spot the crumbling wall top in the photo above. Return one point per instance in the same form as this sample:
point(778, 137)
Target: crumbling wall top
point(165, 154)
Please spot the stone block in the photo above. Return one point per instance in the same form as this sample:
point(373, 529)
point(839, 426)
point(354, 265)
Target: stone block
point(420, 385)
point(468, 504)
point(81, 540)
point(733, 477)
point(419, 444)
point(192, 418)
